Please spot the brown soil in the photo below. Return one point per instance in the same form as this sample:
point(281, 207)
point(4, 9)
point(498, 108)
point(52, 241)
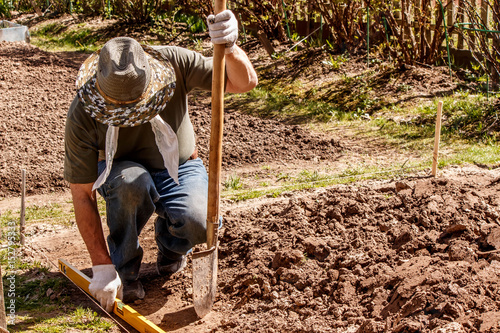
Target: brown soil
point(417, 254)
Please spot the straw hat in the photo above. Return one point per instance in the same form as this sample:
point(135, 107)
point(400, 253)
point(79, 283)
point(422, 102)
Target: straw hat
point(125, 83)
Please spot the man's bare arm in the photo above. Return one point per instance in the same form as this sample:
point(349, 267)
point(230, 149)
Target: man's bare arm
point(89, 223)
point(241, 76)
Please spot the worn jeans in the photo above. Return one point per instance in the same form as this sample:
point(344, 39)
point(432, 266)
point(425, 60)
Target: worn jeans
point(133, 194)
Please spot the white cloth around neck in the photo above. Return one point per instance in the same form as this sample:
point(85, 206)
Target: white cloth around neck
point(166, 141)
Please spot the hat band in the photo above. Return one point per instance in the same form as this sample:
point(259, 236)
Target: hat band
point(117, 102)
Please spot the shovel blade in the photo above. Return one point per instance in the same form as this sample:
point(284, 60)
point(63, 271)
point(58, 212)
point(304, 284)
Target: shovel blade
point(204, 280)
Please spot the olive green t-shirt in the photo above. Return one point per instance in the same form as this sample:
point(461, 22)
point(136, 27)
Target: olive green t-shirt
point(85, 137)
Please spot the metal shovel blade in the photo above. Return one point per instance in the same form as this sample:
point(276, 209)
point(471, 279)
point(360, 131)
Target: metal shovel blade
point(204, 280)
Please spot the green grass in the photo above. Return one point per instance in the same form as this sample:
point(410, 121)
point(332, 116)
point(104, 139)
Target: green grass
point(42, 300)
point(57, 37)
point(469, 134)
point(52, 213)
point(307, 179)
point(81, 319)
point(31, 292)
point(233, 183)
point(482, 154)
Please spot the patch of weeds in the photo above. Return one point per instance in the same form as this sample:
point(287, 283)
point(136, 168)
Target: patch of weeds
point(308, 176)
point(467, 120)
point(349, 172)
point(6, 217)
point(194, 23)
point(39, 294)
point(233, 183)
point(403, 87)
point(53, 213)
point(271, 104)
point(36, 213)
point(81, 319)
point(307, 179)
point(4, 9)
point(482, 154)
point(35, 289)
point(335, 61)
point(56, 36)
point(471, 118)
point(283, 176)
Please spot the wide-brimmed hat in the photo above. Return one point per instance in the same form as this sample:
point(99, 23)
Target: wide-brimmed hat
point(125, 83)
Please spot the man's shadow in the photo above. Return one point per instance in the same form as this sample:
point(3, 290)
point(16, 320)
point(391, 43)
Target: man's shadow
point(159, 290)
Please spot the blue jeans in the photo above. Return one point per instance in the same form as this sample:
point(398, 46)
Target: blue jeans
point(133, 194)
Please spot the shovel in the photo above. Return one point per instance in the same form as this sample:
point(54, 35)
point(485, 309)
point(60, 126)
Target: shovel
point(205, 262)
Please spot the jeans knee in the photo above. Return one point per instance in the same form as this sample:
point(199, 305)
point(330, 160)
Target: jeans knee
point(133, 186)
point(190, 225)
point(198, 227)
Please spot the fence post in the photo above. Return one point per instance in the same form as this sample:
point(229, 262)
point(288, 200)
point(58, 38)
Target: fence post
point(450, 17)
point(484, 13)
point(472, 35)
point(22, 220)
point(286, 20)
point(460, 19)
point(368, 34)
point(496, 42)
point(426, 11)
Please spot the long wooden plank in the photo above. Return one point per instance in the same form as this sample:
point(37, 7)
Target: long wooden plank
point(122, 310)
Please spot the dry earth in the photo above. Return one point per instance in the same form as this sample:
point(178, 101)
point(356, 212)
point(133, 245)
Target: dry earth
point(415, 254)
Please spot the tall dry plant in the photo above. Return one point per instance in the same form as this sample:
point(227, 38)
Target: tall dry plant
point(416, 39)
point(201, 8)
point(137, 10)
point(482, 36)
point(345, 22)
point(265, 16)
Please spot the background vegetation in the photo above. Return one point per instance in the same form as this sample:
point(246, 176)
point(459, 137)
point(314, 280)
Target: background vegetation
point(410, 31)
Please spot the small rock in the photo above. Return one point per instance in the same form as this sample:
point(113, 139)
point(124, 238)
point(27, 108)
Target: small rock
point(317, 247)
point(460, 250)
point(400, 186)
point(449, 328)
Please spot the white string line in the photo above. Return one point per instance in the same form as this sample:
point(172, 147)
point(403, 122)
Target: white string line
point(265, 189)
point(328, 179)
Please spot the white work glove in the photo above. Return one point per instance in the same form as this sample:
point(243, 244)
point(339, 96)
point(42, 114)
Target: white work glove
point(106, 285)
point(223, 29)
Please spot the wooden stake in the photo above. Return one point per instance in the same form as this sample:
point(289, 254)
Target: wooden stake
point(437, 136)
point(23, 208)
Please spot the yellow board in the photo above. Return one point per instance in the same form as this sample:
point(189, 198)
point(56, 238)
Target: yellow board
point(122, 310)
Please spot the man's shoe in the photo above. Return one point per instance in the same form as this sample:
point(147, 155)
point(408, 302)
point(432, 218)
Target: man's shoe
point(169, 264)
point(132, 291)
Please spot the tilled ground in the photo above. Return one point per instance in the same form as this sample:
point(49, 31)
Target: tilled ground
point(412, 255)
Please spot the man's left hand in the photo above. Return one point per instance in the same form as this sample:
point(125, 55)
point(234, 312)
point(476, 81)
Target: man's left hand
point(223, 29)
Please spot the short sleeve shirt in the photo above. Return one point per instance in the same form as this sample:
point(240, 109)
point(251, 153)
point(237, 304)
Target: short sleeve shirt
point(85, 137)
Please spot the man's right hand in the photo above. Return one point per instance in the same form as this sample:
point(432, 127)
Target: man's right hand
point(106, 285)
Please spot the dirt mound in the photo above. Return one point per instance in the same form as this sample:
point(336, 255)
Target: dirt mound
point(418, 255)
point(401, 257)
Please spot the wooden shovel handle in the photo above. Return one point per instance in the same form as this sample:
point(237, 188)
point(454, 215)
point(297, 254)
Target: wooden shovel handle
point(215, 156)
